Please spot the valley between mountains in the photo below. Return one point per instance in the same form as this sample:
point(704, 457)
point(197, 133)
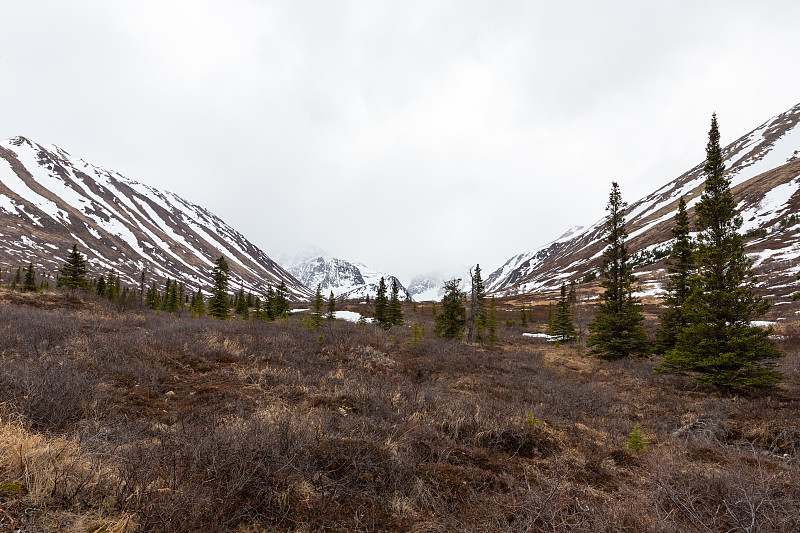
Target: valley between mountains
point(122, 418)
point(50, 200)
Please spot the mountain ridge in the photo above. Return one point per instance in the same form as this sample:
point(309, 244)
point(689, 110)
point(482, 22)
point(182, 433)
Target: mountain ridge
point(50, 200)
point(763, 166)
point(346, 280)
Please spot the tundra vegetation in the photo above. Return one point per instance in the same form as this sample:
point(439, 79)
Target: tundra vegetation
point(128, 419)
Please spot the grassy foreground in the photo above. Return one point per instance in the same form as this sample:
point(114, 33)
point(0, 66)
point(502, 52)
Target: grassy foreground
point(131, 421)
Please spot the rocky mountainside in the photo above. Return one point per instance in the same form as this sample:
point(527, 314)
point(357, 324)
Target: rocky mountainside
point(764, 169)
point(50, 200)
point(346, 280)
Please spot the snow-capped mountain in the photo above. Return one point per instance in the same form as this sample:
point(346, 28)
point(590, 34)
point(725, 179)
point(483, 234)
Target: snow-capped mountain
point(764, 169)
point(430, 287)
point(346, 280)
point(50, 200)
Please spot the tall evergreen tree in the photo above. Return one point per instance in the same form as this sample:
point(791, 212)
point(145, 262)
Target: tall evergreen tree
point(680, 266)
point(281, 300)
point(113, 286)
point(331, 315)
point(166, 304)
point(452, 319)
point(172, 298)
point(101, 286)
point(152, 300)
point(718, 346)
point(395, 309)
point(382, 306)
point(617, 330)
point(17, 279)
point(317, 308)
point(73, 273)
point(269, 304)
point(198, 305)
point(30, 279)
point(477, 306)
point(563, 323)
point(241, 304)
point(218, 303)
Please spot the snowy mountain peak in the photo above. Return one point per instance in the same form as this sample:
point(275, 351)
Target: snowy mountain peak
point(50, 200)
point(345, 279)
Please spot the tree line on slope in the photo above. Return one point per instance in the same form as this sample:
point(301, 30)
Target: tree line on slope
point(706, 332)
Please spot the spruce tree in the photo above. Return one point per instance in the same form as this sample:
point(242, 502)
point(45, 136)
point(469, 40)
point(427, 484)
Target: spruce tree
point(452, 319)
point(218, 303)
point(563, 324)
point(395, 309)
point(17, 279)
point(318, 305)
point(101, 286)
point(152, 298)
point(382, 306)
point(199, 306)
point(718, 346)
point(173, 298)
point(240, 305)
point(166, 304)
point(73, 273)
point(281, 300)
point(477, 306)
point(680, 266)
point(269, 304)
point(331, 315)
point(30, 279)
point(112, 289)
point(617, 330)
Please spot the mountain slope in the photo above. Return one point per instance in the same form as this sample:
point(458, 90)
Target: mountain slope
point(764, 169)
point(50, 200)
point(346, 280)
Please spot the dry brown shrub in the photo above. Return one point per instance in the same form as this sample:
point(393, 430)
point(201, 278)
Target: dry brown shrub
point(55, 471)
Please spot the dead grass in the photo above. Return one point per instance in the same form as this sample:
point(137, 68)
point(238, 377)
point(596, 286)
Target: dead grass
point(132, 421)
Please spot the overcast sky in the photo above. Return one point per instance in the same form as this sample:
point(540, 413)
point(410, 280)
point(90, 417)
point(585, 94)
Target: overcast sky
point(410, 136)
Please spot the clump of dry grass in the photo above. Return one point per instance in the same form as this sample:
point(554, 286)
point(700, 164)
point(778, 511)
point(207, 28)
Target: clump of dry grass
point(39, 472)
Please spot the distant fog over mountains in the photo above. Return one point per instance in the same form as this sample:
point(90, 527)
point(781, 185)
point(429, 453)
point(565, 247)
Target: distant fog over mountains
point(764, 169)
point(346, 280)
point(50, 200)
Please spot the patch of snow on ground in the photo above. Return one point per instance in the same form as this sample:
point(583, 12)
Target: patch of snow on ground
point(544, 336)
point(13, 182)
point(350, 316)
point(780, 152)
point(654, 290)
point(762, 323)
point(771, 206)
point(7, 205)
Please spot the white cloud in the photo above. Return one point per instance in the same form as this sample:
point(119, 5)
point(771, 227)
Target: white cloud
point(447, 133)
